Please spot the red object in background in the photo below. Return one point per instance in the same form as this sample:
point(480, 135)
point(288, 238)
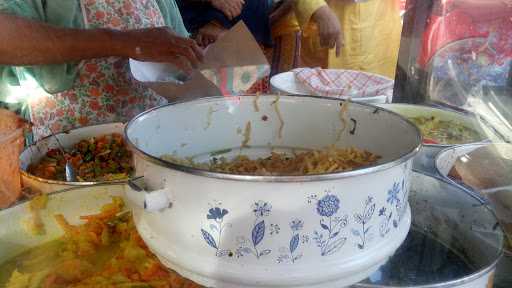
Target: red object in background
point(449, 24)
point(445, 29)
point(429, 141)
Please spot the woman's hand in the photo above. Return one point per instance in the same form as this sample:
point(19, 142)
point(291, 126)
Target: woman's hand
point(329, 28)
point(230, 8)
point(161, 44)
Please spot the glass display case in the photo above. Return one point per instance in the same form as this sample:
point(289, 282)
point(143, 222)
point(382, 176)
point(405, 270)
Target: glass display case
point(458, 54)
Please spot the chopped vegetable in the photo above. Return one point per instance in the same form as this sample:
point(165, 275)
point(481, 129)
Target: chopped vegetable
point(429, 141)
point(104, 158)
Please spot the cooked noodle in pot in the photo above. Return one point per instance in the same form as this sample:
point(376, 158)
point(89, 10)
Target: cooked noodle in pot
point(327, 160)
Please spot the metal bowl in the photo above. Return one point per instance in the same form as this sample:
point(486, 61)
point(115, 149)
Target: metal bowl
point(485, 173)
point(424, 161)
point(35, 152)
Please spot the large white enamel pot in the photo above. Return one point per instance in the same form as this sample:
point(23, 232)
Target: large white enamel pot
point(227, 230)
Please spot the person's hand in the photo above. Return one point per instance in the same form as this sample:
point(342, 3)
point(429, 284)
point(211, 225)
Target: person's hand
point(230, 8)
point(329, 28)
point(161, 44)
point(204, 39)
point(209, 33)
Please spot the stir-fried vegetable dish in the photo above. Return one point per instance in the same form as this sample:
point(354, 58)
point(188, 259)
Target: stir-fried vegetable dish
point(105, 251)
point(437, 131)
point(328, 160)
point(104, 158)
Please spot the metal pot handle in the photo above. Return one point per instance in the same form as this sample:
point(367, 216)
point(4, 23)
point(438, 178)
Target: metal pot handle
point(151, 201)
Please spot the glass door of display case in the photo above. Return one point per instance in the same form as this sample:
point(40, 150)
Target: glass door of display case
point(458, 54)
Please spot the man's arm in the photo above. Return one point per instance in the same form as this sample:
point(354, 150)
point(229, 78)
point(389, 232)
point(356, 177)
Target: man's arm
point(28, 42)
point(329, 28)
point(330, 33)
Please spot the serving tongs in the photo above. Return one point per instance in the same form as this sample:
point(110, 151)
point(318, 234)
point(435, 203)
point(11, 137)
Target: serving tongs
point(69, 169)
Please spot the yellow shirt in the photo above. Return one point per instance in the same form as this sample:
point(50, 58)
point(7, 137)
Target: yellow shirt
point(299, 19)
point(371, 33)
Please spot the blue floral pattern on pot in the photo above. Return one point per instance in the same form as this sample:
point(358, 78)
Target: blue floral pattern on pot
point(290, 254)
point(397, 207)
point(402, 205)
point(251, 246)
point(216, 217)
point(385, 224)
point(364, 219)
point(274, 229)
point(329, 239)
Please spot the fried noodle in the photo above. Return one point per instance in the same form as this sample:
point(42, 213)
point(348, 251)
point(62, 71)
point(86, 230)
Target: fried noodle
point(328, 160)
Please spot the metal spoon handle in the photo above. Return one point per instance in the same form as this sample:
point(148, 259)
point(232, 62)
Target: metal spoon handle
point(70, 171)
point(57, 139)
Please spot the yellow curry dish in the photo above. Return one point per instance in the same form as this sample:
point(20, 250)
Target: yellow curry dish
point(438, 131)
point(105, 251)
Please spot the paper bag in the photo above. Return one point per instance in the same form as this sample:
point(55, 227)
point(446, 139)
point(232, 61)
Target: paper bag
point(232, 65)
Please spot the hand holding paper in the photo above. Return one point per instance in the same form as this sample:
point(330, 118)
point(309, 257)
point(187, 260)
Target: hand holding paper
point(230, 67)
